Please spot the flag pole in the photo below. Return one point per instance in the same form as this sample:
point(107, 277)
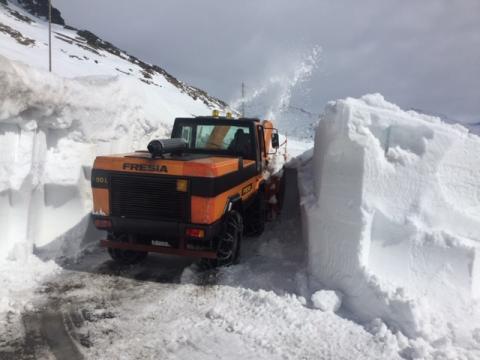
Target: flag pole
point(50, 35)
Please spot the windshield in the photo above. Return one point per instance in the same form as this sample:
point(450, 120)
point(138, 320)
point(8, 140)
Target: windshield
point(232, 139)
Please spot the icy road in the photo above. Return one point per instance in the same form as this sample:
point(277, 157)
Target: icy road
point(167, 308)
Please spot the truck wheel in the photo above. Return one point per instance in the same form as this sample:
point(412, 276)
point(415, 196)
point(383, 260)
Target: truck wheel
point(125, 257)
point(255, 221)
point(229, 240)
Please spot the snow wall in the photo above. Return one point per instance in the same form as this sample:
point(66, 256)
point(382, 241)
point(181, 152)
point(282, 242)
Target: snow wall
point(51, 129)
point(391, 208)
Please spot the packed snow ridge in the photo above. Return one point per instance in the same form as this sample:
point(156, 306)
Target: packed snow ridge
point(391, 205)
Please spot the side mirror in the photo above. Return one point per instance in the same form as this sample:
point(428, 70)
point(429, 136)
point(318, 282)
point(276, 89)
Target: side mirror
point(275, 140)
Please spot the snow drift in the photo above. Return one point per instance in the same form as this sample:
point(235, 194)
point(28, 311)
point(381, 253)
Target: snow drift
point(391, 209)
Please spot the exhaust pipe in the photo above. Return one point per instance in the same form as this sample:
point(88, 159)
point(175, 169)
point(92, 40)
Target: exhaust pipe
point(166, 146)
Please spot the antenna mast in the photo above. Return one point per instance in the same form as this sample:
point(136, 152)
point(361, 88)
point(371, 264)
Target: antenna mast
point(243, 99)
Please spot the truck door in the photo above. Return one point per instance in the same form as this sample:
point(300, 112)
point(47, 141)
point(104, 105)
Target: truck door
point(261, 152)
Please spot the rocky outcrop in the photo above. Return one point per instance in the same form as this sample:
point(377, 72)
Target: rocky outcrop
point(95, 44)
point(40, 8)
point(16, 35)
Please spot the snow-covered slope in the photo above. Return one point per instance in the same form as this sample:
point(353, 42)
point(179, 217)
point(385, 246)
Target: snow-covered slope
point(81, 53)
point(392, 215)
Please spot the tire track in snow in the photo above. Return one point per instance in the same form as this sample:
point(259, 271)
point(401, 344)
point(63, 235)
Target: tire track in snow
point(46, 332)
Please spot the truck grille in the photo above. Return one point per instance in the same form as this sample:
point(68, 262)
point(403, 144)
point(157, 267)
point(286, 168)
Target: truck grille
point(147, 197)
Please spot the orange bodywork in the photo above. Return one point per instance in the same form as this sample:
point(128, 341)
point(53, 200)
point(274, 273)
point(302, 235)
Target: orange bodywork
point(223, 177)
point(208, 210)
point(268, 130)
point(101, 201)
point(206, 167)
point(204, 210)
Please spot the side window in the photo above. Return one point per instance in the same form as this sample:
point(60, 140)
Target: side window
point(261, 139)
point(260, 153)
point(187, 135)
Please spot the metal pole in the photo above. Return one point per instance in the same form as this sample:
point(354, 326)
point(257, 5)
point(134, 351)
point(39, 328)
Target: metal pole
point(50, 35)
point(243, 99)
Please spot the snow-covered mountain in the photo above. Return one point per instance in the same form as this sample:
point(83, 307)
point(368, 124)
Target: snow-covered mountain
point(75, 53)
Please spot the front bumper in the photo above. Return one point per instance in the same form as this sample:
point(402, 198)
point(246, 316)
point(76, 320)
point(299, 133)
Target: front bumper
point(173, 233)
point(180, 251)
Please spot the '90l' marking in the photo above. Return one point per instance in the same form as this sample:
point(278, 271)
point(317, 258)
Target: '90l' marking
point(101, 180)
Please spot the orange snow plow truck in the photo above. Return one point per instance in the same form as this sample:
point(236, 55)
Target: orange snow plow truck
point(195, 194)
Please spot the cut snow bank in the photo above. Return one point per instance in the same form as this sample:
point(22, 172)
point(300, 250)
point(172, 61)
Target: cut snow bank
point(51, 129)
point(391, 208)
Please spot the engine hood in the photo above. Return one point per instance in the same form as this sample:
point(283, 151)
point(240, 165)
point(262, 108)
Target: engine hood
point(192, 165)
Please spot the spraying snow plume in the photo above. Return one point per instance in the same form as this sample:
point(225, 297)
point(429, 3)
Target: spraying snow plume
point(273, 99)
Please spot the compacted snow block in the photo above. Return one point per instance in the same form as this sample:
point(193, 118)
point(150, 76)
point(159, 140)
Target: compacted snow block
point(327, 300)
point(394, 222)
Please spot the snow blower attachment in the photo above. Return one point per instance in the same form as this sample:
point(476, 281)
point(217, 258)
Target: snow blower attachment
point(194, 195)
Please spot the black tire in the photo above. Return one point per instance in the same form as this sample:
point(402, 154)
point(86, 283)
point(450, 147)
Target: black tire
point(228, 242)
point(125, 257)
point(257, 216)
